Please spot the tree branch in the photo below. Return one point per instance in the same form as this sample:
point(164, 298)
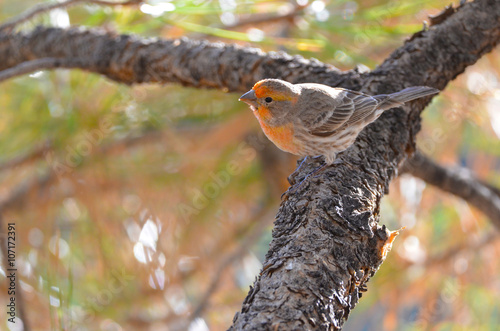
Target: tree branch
point(130, 60)
point(269, 18)
point(19, 194)
point(43, 8)
point(227, 261)
point(38, 64)
point(460, 182)
point(472, 245)
point(25, 158)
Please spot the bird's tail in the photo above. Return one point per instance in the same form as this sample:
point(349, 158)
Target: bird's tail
point(387, 101)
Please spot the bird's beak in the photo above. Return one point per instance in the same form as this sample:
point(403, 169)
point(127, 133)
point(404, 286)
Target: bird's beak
point(249, 98)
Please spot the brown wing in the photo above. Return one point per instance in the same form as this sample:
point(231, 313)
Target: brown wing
point(353, 107)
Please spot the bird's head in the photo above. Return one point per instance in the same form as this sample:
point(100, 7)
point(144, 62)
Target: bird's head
point(271, 98)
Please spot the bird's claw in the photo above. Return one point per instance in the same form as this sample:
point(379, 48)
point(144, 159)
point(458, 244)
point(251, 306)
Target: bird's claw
point(295, 187)
point(290, 190)
point(291, 178)
point(285, 194)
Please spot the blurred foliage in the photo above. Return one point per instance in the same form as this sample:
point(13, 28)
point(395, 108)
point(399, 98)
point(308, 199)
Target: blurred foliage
point(159, 192)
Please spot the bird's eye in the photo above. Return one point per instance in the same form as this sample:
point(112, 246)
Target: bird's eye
point(269, 99)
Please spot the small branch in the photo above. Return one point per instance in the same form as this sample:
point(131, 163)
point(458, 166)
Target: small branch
point(18, 195)
point(231, 258)
point(460, 182)
point(43, 8)
point(267, 18)
point(39, 64)
point(215, 280)
point(130, 141)
point(23, 190)
point(470, 246)
point(25, 158)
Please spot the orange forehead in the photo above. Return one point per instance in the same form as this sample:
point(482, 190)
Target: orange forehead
point(262, 91)
point(259, 84)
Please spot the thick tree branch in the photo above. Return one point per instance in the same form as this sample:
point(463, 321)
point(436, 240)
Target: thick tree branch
point(460, 182)
point(129, 59)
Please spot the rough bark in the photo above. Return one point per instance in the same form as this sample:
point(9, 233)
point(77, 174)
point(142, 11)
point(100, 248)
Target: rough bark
point(130, 60)
point(327, 241)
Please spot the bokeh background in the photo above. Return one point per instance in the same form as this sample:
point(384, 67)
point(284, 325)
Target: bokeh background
point(151, 207)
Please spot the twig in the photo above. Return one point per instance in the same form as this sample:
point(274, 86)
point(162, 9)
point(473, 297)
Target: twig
point(472, 246)
point(21, 192)
point(38, 64)
point(21, 159)
point(234, 256)
point(130, 141)
point(17, 196)
point(460, 182)
point(267, 18)
point(43, 8)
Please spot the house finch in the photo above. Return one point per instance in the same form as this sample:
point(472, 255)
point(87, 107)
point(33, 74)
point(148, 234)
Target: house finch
point(314, 119)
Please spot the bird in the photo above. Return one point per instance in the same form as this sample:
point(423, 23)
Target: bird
point(311, 119)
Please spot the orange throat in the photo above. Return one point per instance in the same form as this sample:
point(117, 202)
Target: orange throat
point(281, 136)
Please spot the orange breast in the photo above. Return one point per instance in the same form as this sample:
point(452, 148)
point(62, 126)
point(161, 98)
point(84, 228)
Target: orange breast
point(281, 136)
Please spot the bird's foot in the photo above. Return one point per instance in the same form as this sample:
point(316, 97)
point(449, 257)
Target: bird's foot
point(292, 176)
point(336, 162)
point(295, 187)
